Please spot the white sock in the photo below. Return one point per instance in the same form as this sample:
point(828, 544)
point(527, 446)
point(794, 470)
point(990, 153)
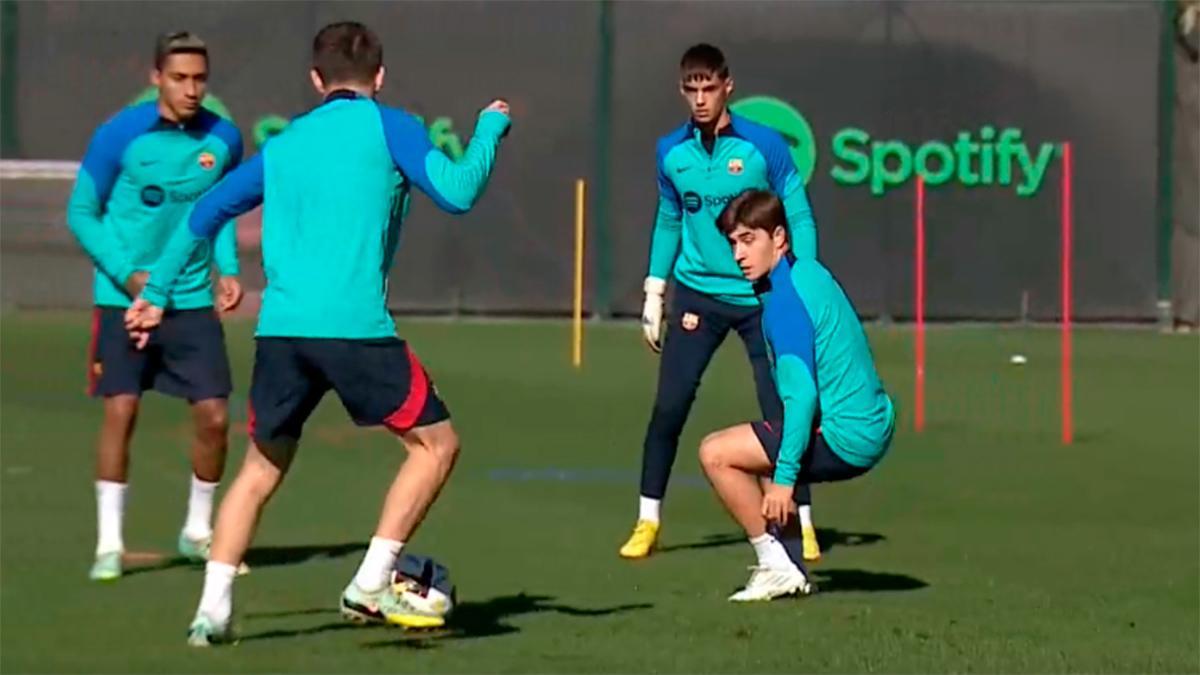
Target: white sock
point(376, 569)
point(806, 515)
point(770, 552)
point(216, 602)
point(648, 509)
point(110, 511)
point(198, 524)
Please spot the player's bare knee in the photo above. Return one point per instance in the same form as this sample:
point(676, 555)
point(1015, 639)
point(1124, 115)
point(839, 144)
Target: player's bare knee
point(712, 452)
point(121, 409)
point(212, 422)
point(218, 421)
point(260, 476)
point(439, 442)
point(445, 447)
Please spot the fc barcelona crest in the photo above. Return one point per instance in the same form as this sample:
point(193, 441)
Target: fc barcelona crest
point(736, 166)
point(690, 321)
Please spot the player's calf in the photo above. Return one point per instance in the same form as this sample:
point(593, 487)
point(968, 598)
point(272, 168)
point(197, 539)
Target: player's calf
point(734, 462)
point(112, 470)
point(432, 452)
point(209, 449)
point(112, 448)
point(257, 480)
point(210, 419)
point(241, 508)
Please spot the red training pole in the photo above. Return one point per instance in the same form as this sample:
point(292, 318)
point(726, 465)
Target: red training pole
point(1065, 375)
point(919, 342)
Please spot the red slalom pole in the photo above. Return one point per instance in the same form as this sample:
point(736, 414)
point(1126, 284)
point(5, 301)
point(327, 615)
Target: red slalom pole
point(1068, 431)
point(919, 313)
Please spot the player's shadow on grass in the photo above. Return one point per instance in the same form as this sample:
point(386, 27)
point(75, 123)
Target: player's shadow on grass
point(488, 618)
point(470, 620)
point(828, 538)
point(275, 556)
point(260, 557)
point(848, 581)
point(301, 632)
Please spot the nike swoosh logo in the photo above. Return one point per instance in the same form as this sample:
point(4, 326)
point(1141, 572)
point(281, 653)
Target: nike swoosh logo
point(147, 162)
point(681, 169)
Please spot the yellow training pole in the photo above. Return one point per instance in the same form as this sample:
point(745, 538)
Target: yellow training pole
point(577, 319)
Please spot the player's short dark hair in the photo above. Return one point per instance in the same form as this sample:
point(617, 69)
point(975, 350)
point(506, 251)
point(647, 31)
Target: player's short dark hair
point(703, 60)
point(756, 209)
point(347, 51)
point(178, 42)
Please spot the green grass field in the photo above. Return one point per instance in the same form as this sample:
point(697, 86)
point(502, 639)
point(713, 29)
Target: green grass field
point(979, 545)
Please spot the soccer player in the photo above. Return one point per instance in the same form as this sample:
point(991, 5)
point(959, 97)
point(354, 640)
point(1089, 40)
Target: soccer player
point(143, 168)
point(837, 419)
point(334, 187)
point(701, 166)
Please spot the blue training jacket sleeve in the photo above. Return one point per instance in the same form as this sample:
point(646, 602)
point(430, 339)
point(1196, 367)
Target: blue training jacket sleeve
point(668, 223)
point(792, 333)
point(238, 192)
point(85, 209)
point(785, 181)
point(225, 252)
point(453, 185)
point(798, 391)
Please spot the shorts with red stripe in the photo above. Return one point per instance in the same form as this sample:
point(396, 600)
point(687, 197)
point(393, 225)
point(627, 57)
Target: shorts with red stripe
point(380, 382)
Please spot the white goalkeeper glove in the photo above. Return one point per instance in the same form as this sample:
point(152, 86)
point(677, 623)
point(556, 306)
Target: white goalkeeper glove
point(652, 312)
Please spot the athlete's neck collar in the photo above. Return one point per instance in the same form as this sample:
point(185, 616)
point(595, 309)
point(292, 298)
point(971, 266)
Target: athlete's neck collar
point(778, 275)
point(165, 122)
point(342, 94)
point(727, 130)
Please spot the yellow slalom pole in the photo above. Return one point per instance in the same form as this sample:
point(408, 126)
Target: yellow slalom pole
point(577, 318)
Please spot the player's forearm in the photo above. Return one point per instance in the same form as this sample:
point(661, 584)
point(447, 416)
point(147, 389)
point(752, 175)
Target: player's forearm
point(791, 450)
point(798, 392)
point(180, 248)
point(238, 192)
point(225, 253)
point(802, 226)
point(85, 223)
point(804, 240)
point(664, 243)
point(461, 183)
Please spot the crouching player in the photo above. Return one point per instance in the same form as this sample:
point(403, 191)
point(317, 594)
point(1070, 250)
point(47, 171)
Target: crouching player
point(837, 419)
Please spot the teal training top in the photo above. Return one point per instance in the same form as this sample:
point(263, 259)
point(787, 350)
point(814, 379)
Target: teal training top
point(138, 177)
point(694, 186)
point(823, 369)
point(334, 187)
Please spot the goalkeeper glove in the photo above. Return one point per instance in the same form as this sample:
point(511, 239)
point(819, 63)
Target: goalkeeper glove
point(652, 312)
